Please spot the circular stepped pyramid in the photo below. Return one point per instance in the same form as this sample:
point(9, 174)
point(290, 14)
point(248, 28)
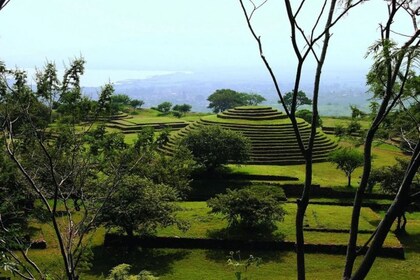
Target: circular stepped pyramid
point(273, 141)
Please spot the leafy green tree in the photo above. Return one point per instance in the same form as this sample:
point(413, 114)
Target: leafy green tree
point(356, 112)
point(164, 107)
point(122, 99)
point(140, 206)
point(354, 127)
point(136, 103)
point(104, 105)
point(223, 99)
point(248, 207)
point(182, 109)
point(213, 146)
point(347, 160)
point(119, 101)
point(307, 116)
point(254, 99)
point(390, 178)
point(63, 164)
point(301, 99)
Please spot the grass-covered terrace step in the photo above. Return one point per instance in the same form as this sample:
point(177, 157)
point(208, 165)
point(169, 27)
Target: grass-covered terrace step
point(272, 141)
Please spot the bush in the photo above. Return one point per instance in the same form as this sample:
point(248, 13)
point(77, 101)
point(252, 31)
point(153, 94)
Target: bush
point(212, 146)
point(164, 107)
point(307, 116)
point(248, 207)
point(354, 127)
point(339, 130)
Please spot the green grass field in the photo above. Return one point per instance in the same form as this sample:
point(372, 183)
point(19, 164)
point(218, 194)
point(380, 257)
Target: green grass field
point(342, 121)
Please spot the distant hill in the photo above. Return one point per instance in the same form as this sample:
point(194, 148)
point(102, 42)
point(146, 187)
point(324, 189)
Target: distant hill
point(194, 88)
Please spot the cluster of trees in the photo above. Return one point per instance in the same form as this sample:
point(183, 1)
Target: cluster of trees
point(178, 110)
point(71, 167)
point(119, 102)
point(90, 176)
point(223, 99)
point(391, 80)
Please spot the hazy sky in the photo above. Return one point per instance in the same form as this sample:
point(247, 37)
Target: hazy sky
point(119, 38)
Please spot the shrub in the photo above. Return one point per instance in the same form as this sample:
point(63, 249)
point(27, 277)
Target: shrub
point(248, 207)
point(164, 107)
point(354, 127)
point(339, 130)
point(307, 116)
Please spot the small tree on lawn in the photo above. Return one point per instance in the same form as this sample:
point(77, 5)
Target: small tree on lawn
point(347, 160)
point(164, 107)
point(390, 178)
point(181, 109)
point(248, 207)
point(139, 206)
point(213, 146)
point(136, 103)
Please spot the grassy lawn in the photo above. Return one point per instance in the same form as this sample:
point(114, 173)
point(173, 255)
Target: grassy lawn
point(326, 173)
point(333, 122)
point(205, 225)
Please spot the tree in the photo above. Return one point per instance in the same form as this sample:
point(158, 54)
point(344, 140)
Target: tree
point(212, 146)
point(307, 116)
point(3, 3)
point(182, 109)
point(390, 178)
point(164, 107)
point(254, 99)
point(307, 43)
point(347, 160)
point(249, 207)
point(140, 206)
point(223, 99)
point(356, 112)
point(388, 80)
point(136, 103)
point(301, 99)
point(68, 167)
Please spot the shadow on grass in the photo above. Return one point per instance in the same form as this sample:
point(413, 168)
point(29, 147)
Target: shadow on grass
point(158, 261)
point(261, 233)
point(410, 242)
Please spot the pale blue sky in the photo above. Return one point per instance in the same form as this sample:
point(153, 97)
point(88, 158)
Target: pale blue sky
point(165, 35)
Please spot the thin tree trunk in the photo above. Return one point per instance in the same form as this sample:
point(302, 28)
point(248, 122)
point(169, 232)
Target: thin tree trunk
point(396, 209)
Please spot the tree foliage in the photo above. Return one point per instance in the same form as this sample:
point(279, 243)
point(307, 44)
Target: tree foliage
point(307, 116)
point(223, 99)
point(140, 206)
point(249, 207)
point(347, 160)
point(164, 107)
point(136, 103)
point(301, 99)
point(212, 146)
point(75, 170)
point(180, 110)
